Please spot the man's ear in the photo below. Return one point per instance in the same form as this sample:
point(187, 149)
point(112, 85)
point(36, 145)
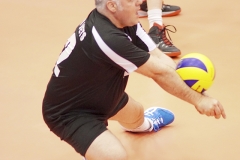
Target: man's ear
point(111, 6)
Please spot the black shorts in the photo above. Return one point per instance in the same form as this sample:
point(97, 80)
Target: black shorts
point(84, 128)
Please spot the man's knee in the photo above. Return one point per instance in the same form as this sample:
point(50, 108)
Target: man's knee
point(112, 156)
point(134, 114)
point(106, 146)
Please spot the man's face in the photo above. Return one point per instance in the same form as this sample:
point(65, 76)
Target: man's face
point(127, 13)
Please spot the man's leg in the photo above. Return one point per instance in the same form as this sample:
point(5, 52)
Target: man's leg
point(133, 117)
point(106, 146)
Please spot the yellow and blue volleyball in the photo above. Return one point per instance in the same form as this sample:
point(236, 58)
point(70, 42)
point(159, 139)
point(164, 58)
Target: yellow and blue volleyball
point(197, 71)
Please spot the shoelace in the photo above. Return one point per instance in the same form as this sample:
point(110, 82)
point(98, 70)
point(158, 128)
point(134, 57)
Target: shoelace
point(157, 119)
point(164, 37)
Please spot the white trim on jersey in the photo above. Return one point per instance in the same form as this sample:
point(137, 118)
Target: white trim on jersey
point(145, 38)
point(124, 63)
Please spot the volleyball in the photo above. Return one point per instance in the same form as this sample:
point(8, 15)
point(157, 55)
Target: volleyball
point(197, 71)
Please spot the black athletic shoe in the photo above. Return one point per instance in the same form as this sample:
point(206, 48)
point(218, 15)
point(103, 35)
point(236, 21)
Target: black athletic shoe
point(167, 10)
point(158, 35)
point(170, 10)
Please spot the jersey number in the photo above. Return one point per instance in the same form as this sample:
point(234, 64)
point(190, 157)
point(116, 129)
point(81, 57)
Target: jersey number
point(67, 50)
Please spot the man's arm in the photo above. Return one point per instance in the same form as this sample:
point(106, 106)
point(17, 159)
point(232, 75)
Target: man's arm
point(163, 58)
point(161, 69)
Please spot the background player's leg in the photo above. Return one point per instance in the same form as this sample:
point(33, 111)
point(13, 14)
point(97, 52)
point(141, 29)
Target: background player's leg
point(106, 146)
point(154, 12)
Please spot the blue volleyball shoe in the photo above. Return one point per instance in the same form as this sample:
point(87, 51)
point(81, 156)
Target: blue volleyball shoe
point(158, 117)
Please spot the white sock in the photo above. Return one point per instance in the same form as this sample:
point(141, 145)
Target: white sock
point(155, 16)
point(147, 126)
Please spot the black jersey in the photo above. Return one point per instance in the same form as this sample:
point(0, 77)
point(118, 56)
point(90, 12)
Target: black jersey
point(92, 71)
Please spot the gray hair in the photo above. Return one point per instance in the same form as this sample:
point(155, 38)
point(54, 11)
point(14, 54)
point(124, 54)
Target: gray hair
point(101, 3)
point(98, 2)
